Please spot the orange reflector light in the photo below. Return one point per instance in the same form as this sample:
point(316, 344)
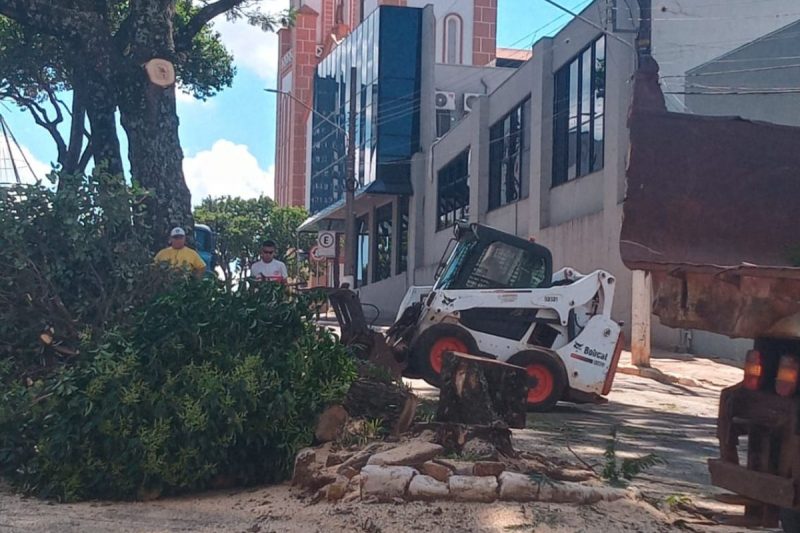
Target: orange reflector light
point(753, 370)
point(786, 382)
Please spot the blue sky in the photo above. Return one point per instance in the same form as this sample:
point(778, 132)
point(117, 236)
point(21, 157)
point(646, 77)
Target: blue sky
point(229, 140)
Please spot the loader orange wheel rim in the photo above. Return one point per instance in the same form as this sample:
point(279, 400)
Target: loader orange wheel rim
point(540, 383)
point(445, 344)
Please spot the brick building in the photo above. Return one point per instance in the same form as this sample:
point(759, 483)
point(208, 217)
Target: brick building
point(465, 35)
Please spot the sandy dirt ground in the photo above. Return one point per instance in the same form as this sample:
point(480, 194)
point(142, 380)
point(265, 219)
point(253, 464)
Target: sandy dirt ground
point(674, 421)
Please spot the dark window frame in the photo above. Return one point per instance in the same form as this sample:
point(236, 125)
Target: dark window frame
point(504, 161)
point(362, 267)
point(565, 159)
point(383, 242)
point(402, 244)
point(444, 122)
point(452, 191)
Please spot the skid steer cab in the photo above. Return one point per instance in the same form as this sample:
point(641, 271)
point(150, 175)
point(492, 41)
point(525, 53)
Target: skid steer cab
point(496, 296)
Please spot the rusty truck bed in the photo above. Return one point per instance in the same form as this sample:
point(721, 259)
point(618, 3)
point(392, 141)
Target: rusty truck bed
point(711, 210)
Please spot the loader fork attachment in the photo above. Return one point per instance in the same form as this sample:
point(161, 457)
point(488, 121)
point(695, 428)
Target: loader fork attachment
point(366, 344)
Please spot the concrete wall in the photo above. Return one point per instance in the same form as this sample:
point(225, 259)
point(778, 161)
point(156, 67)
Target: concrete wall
point(386, 295)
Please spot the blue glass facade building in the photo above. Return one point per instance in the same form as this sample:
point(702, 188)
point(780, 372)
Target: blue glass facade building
point(385, 49)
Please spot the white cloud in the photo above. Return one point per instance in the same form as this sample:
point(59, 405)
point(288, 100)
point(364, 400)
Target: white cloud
point(253, 48)
point(28, 166)
point(227, 169)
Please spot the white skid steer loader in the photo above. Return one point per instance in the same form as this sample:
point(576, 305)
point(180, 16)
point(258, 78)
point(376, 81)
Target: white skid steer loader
point(496, 296)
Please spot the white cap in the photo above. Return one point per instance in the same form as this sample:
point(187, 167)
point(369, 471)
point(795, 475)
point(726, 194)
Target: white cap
point(177, 232)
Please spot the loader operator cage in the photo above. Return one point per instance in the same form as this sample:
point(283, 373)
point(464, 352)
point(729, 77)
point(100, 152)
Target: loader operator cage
point(485, 258)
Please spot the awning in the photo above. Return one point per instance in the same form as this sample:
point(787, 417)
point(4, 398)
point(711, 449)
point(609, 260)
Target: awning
point(329, 219)
point(332, 218)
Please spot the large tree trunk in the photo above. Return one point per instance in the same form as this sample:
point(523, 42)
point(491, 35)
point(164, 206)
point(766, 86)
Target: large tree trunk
point(74, 163)
point(150, 119)
point(76, 158)
point(151, 122)
point(94, 79)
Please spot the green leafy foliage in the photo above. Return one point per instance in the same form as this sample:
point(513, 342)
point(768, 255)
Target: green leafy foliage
point(152, 382)
point(243, 224)
point(361, 432)
point(206, 382)
point(33, 63)
point(72, 263)
point(619, 474)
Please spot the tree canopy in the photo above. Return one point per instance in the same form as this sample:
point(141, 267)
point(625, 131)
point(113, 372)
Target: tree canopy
point(243, 224)
point(97, 49)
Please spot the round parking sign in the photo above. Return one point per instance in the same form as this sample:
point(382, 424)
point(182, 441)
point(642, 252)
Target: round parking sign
point(315, 254)
point(326, 242)
point(326, 239)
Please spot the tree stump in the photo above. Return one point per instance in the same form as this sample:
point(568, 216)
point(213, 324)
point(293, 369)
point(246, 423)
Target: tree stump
point(453, 438)
point(481, 391)
point(388, 402)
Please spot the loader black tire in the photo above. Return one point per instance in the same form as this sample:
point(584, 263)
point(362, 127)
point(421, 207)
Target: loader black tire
point(428, 348)
point(547, 379)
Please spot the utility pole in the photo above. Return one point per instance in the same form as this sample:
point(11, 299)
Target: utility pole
point(350, 182)
point(350, 188)
point(642, 290)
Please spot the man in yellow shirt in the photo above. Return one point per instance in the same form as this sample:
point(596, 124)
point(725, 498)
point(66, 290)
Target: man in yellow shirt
point(179, 256)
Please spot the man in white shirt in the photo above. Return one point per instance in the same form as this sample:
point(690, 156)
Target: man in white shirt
point(268, 268)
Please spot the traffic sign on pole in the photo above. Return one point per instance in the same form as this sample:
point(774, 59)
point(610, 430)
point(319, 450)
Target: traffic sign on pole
point(326, 242)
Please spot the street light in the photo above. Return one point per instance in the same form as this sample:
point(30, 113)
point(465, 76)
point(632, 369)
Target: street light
point(302, 103)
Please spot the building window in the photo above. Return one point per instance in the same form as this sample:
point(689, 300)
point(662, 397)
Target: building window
point(387, 82)
point(383, 243)
point(362, 251)
point(453, 191)
point(578, 114)
point(444, 121)
point(452, 39)
point(402, 248)
point(505, 158)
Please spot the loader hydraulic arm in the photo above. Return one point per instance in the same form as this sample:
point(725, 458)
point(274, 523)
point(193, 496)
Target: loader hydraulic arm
point(573, 290)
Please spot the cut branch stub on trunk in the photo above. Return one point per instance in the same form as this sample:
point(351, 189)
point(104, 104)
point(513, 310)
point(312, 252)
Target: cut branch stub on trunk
point(481, 391)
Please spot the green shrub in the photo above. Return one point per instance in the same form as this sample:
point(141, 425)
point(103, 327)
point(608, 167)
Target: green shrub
point(73, 262)
point(205, 383)
point(619, 474)
point(154, 383)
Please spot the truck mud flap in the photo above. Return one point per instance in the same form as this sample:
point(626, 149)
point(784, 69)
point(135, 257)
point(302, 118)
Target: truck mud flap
point(754, 485)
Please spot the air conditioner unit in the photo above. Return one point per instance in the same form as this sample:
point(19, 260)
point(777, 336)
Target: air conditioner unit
point(320, 49)
point(445, 101)
point(470, 100)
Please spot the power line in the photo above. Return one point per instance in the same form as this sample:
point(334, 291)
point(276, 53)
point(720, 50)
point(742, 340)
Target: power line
point(734, 91)
point(590, 23)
